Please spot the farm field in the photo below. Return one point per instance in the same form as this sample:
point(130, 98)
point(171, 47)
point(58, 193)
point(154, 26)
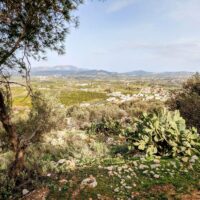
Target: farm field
point(76, 91)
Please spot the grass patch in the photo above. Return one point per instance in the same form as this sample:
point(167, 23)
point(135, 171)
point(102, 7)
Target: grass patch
point(20, 97)
point(127, 182)
point(77, 97)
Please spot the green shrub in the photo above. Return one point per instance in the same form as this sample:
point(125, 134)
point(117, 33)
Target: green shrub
point(73, 146)
point(106, 126)
point(136, 108)
point(46, 114)
point(187, 101)
point(85, 116)
point(6, 186)
point(164, 133)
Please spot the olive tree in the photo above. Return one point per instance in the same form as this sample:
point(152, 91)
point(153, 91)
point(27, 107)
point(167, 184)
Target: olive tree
point(27, 29)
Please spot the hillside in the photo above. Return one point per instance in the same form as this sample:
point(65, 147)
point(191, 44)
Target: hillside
point(68, 70)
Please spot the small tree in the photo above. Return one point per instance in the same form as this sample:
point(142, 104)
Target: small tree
point(27, 29)
point(187, 101)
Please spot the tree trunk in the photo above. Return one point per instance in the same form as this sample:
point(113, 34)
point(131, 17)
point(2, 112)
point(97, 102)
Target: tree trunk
point(18, 164)
point(7, 124)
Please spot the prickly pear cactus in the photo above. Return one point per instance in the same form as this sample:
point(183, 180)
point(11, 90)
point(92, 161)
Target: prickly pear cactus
point(164, 133)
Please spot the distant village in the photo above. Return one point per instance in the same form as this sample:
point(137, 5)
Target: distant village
point(145, 94)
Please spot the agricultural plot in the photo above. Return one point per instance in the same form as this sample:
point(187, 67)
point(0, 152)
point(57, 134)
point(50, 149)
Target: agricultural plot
point(74, 91)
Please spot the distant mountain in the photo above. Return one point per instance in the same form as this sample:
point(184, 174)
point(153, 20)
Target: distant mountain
point(138, 73)
point(55, 70)
point(97, 73)
point(141, 73)
point(69, 70)
point(175, 74)
point(64, 68)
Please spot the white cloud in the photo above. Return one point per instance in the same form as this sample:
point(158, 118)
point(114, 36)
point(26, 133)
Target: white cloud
point(181, 53)
point(118, 5)
point(186, 11)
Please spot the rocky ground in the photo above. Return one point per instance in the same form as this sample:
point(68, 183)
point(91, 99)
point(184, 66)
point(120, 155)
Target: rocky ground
point(123, 179)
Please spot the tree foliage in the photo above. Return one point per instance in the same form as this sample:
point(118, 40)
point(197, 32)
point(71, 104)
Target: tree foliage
point(187, 101)
point(28, 28)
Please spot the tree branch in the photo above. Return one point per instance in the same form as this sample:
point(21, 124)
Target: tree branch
point(7, 55)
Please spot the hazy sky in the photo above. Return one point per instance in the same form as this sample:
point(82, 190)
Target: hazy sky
point(125, 35)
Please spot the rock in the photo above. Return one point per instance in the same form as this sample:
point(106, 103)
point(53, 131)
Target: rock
point(71, 164)
point(128, 187)
point(63, 181)
point(122, 181)
point(185, 159)
point(157, 161)
point(154, 166)
point(61, 161)
point(84, 104)
point(119, 169)
point(193, 159)
point(89, 182)
point(69, 120)
point(110, 173)
point(116, 190)
point(125, 166)
point(110, 141)
point(141, 166)
point(190, 166)
point(128, 177)
point(110, 168)
point(134, 185)
point(156, 176)
point(25, 191)
point(135, 163)
point(145, 172)
point(119, 155)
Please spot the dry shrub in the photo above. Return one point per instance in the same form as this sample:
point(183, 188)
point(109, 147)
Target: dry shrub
point(136, 108)
point(84, 116)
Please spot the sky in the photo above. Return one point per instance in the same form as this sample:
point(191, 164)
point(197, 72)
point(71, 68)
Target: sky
point(128, 35)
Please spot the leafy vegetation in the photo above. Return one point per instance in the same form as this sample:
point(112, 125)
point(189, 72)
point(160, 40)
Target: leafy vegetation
point(101, 141)
point(164, 133)
point(187, 101)
point(27, 30)
point(77, 97)
point(47, 151)
point(107, 127)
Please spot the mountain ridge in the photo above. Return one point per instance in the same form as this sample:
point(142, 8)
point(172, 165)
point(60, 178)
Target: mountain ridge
point(70, 70)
